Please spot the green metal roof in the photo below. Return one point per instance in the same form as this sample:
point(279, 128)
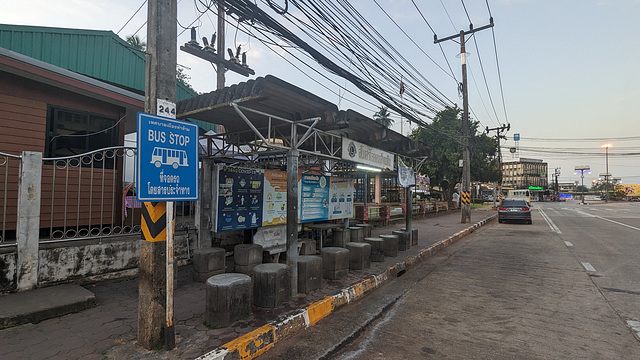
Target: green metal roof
point(102, 55)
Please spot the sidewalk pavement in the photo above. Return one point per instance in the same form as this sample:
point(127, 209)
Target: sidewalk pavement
point(108, 330)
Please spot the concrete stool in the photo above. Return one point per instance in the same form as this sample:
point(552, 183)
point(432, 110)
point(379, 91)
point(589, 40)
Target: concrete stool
point(359, 255)
point(208, 262)
point(335, 262)
point(367, 229)
point(404, 243)
point(377, 248)
point(357, 234)
point(340, 237)
point(414, 236)
point(390, 245)
point(246, 257)
point(308, 246)
point(271, 285)
point(309, 273)
point(228, 299)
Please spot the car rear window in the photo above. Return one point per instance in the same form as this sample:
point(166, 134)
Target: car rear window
point(508, 202)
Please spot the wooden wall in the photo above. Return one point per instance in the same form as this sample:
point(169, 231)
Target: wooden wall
point(23, 121)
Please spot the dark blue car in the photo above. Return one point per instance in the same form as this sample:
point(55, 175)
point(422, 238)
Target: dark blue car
point(514, 209)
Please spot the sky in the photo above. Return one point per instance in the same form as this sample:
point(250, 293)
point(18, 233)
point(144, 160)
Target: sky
point(566, 69)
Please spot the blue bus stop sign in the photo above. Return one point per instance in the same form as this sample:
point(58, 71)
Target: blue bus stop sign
point(167, 164)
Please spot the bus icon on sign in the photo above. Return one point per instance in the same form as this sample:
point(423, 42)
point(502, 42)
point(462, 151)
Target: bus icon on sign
point(173, 157)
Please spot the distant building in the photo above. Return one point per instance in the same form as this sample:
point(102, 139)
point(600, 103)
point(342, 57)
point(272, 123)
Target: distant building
point(567, 187)
point(523, 173)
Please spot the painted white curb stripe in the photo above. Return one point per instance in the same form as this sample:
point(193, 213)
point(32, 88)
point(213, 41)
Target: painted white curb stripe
point(588, 267)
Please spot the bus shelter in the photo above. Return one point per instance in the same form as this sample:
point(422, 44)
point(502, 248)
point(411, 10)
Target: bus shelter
point(278, 136)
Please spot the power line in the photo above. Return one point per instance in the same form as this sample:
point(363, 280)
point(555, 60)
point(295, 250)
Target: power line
point(132, 16)
point(495, 50)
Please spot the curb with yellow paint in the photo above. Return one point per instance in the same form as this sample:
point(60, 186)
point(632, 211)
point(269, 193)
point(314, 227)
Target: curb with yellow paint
point(250, 345)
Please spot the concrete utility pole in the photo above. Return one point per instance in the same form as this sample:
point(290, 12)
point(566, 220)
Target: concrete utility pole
point(155, 309)
point(465, 198)
point(220, 70)
point(499, 136)
point(292, 218)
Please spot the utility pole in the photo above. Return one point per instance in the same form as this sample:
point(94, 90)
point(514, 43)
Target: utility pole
point(499, 130)
point(155, 307)
point(220, 70)
point(465, 198)
point(237, 61)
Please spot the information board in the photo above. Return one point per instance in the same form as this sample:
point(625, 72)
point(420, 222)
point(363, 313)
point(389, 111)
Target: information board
point(341, 198)
point(167, 161)
point(239, 193)
point(275, 197)
point(314, 198)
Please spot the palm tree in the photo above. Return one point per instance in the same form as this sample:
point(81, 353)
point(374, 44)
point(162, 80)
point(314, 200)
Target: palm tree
point(134, 40)
point(383, 116)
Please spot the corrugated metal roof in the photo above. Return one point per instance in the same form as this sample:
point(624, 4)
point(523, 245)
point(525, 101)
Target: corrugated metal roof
point(276, 97)
point(99, 54)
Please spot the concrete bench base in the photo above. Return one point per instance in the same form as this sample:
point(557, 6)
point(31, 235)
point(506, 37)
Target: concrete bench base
point(228, 299)
point(335, 263)
point(309, 273)
point(359, 255)
point(414, 236)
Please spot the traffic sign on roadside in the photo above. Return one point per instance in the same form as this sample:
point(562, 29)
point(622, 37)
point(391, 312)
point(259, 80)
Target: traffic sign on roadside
point(167, 162)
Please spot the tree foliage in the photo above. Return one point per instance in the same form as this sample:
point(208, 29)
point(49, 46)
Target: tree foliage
point(446, 140)
point(383, 116)
point(136, 42)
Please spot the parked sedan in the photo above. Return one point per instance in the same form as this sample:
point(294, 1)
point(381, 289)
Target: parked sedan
point(514, 209)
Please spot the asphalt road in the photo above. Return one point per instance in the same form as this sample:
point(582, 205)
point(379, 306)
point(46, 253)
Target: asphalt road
point(565, 287)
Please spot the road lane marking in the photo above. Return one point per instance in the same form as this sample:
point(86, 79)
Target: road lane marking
point(552, 226)
point(588, 267)
point(609, 220)
point(568, 244)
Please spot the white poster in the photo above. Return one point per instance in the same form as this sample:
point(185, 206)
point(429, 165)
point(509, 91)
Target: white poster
point(341, 193)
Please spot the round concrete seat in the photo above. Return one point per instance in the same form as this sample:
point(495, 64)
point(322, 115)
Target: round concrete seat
point(271, 285)
point(377, 248)
point(390, 245)
point(357, 234)
point(207, 263)
point(359, 255)
point(404, 242)
point(309, 273)
point(367, 229)
point(246, 256)
point(335, 263)
point(340, 237)
point(228, 299)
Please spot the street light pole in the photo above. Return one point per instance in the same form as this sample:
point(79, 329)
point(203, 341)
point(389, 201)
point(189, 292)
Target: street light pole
point(606, 175)
point(582, 169)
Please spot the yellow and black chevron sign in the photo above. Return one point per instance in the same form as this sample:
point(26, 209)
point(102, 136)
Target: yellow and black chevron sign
point(465, 199)
point(154, 221)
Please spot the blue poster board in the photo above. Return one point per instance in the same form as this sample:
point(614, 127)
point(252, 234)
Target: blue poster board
point(314, 198)
point(240, 192)
point(167, 162)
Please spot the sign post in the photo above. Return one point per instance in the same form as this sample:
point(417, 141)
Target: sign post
point(166, 170)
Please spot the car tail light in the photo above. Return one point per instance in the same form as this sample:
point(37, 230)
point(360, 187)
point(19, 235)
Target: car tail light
point(525, 209)
point(502, 208)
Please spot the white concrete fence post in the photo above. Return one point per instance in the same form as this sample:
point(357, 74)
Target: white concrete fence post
point(28, 222)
